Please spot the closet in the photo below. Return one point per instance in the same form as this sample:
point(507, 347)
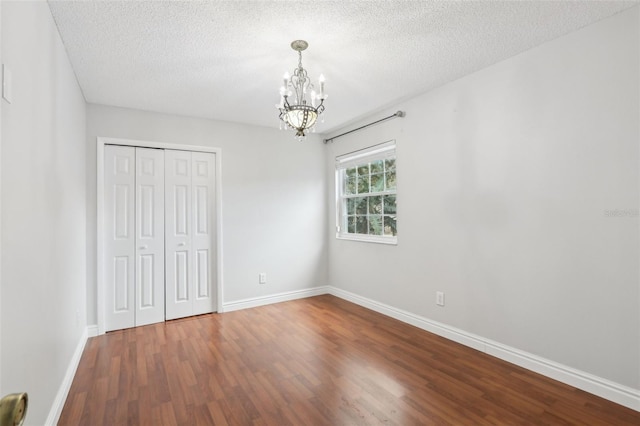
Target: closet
point(159, 233)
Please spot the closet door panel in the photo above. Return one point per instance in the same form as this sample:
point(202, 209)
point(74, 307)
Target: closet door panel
point(149, 236)
point(181, 276)
point(119, 233)
point(159, 235)
point(203, 189)
point(178, 230)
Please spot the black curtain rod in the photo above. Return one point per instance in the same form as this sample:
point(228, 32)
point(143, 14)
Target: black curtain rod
point(397, 114)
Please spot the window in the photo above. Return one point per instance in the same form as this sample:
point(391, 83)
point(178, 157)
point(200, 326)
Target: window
point(366, 194)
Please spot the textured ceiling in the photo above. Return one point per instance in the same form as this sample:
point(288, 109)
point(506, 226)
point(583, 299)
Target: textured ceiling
point(224, 60)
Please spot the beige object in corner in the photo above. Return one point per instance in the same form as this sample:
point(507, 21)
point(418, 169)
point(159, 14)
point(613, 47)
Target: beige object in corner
point(13, 409)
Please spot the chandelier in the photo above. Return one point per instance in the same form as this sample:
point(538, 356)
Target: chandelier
point(296, 111)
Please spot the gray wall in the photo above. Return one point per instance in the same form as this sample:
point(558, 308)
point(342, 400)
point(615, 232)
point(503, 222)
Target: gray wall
point(505, 181)
point(273, 198)
point(43, 312)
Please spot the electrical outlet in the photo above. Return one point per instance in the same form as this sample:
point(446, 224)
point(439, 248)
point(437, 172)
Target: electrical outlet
point(262, 278)
point(439, 298)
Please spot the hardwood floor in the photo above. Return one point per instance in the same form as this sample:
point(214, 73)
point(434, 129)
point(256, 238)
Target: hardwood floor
point(316, 361)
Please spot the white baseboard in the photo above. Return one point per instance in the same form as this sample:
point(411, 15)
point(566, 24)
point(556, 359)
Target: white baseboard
point(587, 382)
point(273, 298)
point(604, 388)
point(92, 330)
point(63, 391)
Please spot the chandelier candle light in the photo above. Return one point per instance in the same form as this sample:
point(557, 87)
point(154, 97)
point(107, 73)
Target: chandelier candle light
point(299, 114)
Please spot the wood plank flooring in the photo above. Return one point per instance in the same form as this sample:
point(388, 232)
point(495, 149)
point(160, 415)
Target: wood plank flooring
point(316, 361)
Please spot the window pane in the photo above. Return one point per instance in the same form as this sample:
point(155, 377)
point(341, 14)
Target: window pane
point(363, 184)
point(363, 170)
point(390, 178)
point(375, 205)
point(390, 226)
point(377, 166)
point(377, 182)
point(350, 185)
point(361, 205)
point(390, 204)
point(361, 225)
point(351, 224)
point(351, 206)
point(390, 165)
point(351, 172)
point(375, 225)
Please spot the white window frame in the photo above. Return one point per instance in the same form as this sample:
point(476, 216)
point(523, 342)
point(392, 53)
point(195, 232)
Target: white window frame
point(382, 151)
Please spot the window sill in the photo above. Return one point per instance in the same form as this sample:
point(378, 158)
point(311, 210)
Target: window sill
point(368, 239)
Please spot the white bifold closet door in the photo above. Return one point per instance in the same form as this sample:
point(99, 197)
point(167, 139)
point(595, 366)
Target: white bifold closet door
point(189, 233)
point(134, 236)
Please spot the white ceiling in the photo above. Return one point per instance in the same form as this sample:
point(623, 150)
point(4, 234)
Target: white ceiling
point(224, 60)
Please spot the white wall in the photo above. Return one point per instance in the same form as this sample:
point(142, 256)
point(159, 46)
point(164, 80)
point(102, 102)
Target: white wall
point(504, 180)
point(43, 312)
point(273, 198)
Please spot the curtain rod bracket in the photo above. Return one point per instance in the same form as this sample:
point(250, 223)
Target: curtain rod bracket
point(397, 114)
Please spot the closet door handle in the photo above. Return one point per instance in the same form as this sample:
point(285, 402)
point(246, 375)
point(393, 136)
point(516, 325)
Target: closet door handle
point(182, 244)
point(144, 247)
